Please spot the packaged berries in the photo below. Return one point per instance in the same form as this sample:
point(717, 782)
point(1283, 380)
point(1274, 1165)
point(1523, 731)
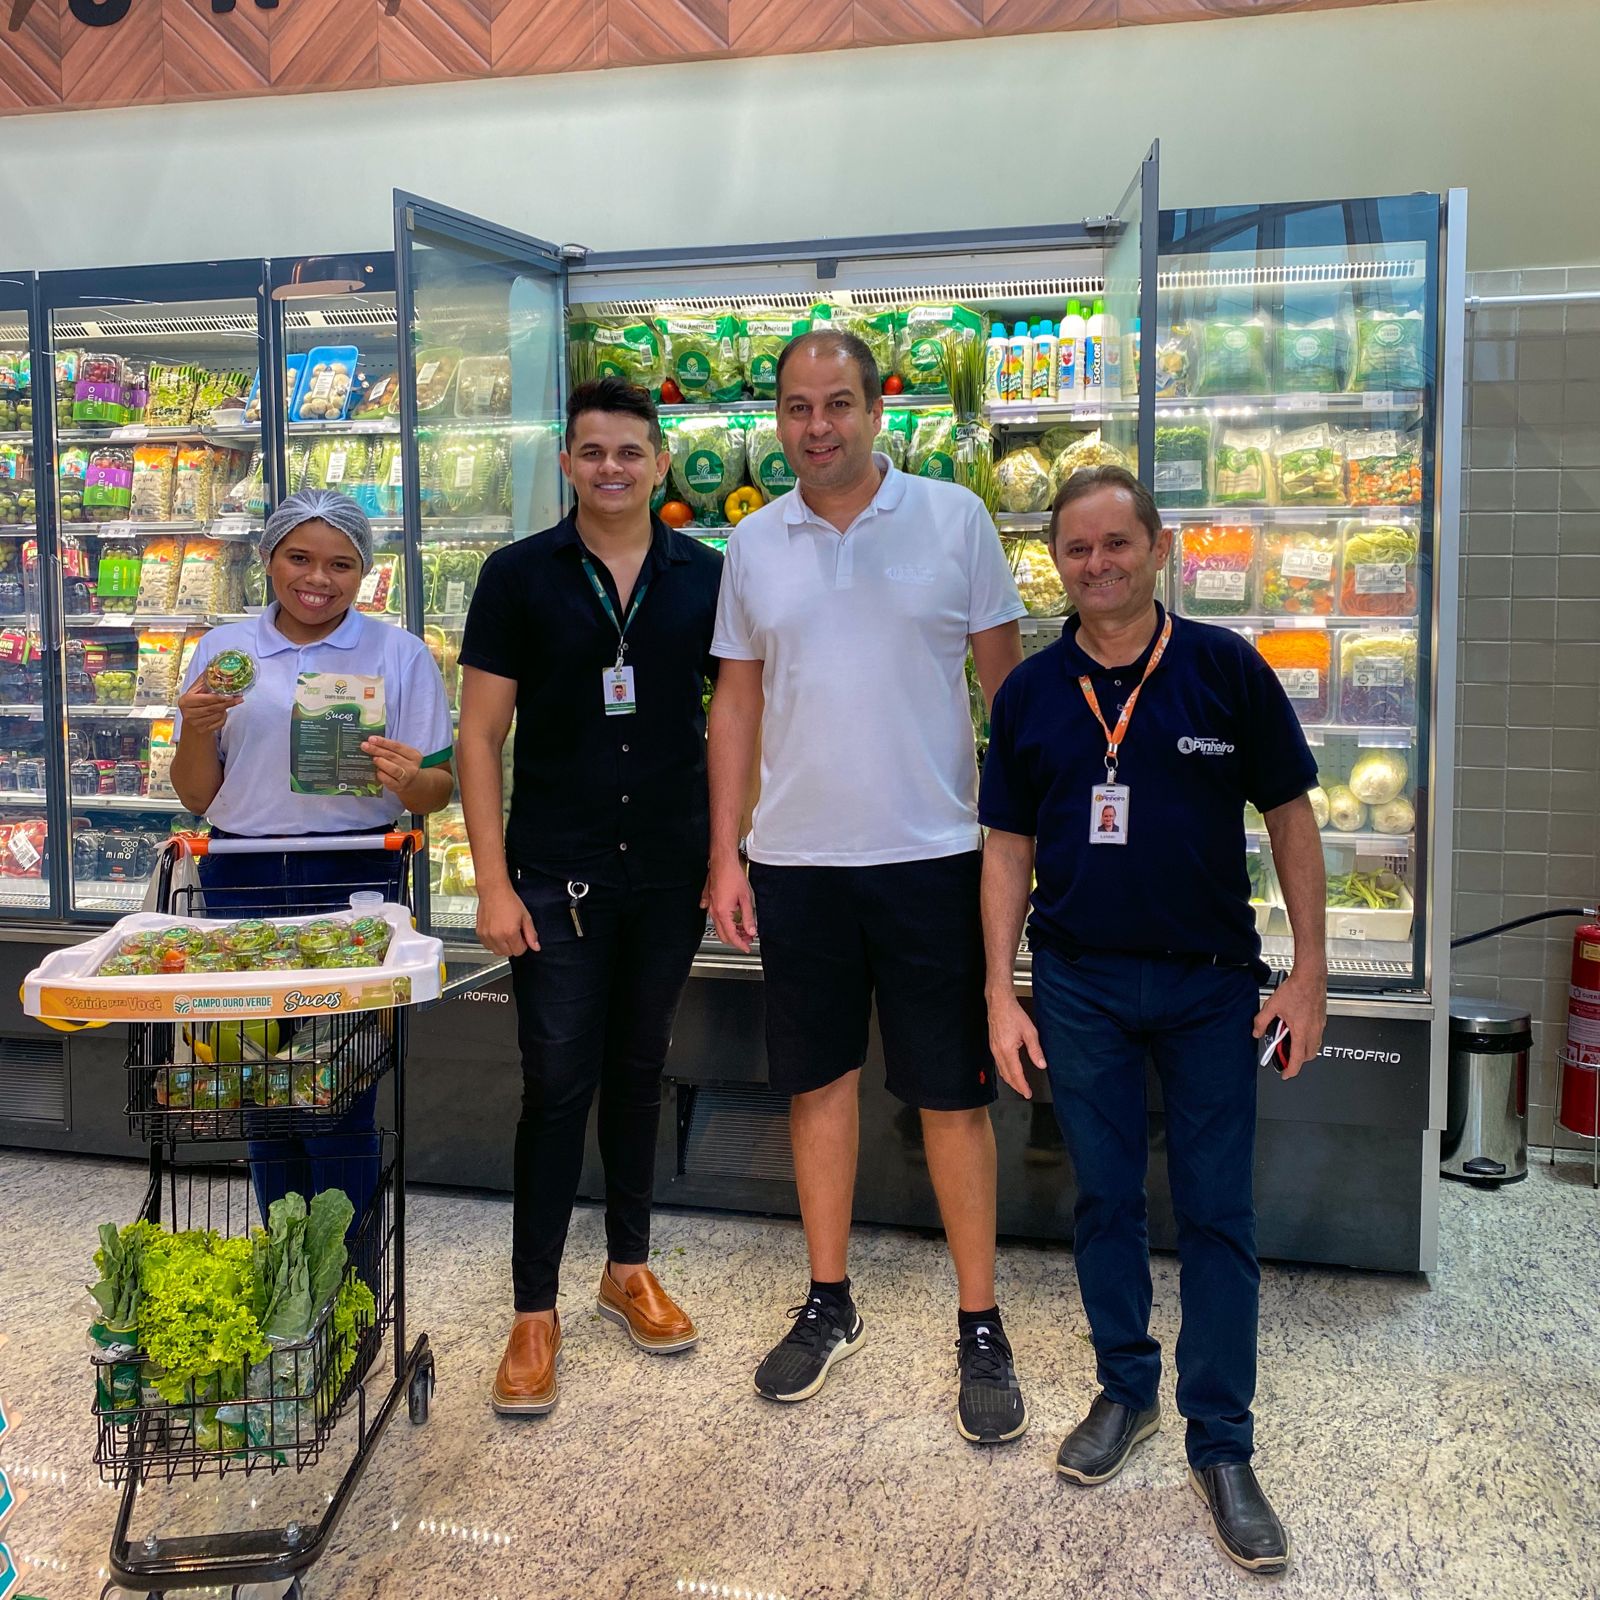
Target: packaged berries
point(230, 672)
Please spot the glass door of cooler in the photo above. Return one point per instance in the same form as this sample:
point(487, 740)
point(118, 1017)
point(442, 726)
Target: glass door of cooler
point(1118, 364)
point(481, 395)
point(25, 765)
point(1296, 432)
point(156, 429)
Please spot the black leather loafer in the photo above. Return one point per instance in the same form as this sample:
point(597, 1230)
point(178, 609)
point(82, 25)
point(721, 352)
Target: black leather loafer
point(1244, 1523)
point(1096, 1449)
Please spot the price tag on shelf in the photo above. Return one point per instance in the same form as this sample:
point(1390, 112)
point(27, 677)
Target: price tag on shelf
point(1303, 402)
point(130, 433)
point(1378, 400)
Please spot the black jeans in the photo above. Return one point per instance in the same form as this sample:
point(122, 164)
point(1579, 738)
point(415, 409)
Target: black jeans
point(593, 1012)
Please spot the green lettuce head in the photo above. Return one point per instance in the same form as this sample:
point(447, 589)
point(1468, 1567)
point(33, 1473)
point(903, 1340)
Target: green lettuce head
point(708, 463)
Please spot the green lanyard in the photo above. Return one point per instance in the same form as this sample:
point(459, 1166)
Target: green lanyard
point(622, 627)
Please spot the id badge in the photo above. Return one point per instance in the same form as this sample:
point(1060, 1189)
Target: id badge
point(1108, 813)
point(617, 687)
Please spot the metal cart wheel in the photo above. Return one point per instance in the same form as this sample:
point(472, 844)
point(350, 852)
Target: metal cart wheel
point(420, 1393)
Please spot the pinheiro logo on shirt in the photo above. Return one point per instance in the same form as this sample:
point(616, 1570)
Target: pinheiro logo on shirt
point(1191, 745)
point(910, 572)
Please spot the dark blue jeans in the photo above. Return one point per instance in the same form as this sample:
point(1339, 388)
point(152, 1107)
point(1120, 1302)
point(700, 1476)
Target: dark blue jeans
point(306, 884)
point(1099, 1017)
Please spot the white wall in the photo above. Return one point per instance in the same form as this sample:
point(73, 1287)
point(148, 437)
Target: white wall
point(1491, 94)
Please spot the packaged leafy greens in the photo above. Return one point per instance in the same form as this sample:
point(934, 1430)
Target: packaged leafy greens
point(765, 333)
point(1388, 351)
point(1310, 467)
point(702, 354)
point(769, 467)
point(708, 463)
point(894, 438)
point(1241, 473)
point(629, 350)
point(1182, 456)
point(932, 453)
point(1308, 357)
point(921, 362)
point(879, 330)
point(1233, 356)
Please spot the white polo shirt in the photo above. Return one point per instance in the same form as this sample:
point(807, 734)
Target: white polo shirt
point(867, 753)
point(255, 798)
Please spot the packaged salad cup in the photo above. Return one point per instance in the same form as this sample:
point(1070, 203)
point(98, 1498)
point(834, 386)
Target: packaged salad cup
point(230, 672)
point(1302, 658)
point(1218, 565)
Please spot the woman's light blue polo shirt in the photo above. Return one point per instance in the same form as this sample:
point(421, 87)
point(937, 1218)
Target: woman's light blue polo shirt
point(255, 798)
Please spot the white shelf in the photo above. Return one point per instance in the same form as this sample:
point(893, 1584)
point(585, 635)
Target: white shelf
point(14, 893)
point(1171, 515)
point(21, 800)
point(18, 530)
point(34, 713)
point(1378, 843)
point(125, 528)
point(350, 425)
point(122, 802)
point(16, 436)
point(1378, 738)
point(1247, 404)
point(1291, 624)
point(1044, 413)
point(146, 433)
point(169, 621)
point(1021, 522)
point(89, 711)
point(104, 894)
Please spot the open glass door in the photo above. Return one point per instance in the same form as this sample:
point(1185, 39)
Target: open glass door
point(482, 333)
point(1119, 359)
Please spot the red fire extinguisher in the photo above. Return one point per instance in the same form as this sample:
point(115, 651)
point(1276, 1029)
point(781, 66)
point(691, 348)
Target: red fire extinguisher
point(1580, 1060)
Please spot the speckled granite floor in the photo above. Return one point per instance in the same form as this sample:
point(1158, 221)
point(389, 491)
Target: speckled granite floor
point(1420, 1438)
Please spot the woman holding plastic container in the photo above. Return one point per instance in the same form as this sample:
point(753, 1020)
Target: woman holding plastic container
point(266, 761)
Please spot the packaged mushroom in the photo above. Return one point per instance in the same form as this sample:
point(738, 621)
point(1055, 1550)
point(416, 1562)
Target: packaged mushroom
point(323, 393)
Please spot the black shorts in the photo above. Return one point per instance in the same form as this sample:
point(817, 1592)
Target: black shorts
point(909, 933)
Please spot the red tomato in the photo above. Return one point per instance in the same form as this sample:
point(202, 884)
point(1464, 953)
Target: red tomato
point(671, 394)
point(893, 384)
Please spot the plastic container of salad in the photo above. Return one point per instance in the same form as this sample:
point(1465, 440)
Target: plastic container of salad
point(1217, 567)
point(1377, 677)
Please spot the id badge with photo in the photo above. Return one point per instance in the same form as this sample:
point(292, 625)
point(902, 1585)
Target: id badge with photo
point(1108, 813)
point(617, 688)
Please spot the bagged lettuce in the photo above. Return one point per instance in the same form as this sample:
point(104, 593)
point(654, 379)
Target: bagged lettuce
point(769, 467)
point(878, 330)
point(1241, 472)
point(628, 350)
point(932, 453)
point(708, 463)
point(1233, 356)
point(1388, 351)
point(1310, 467)
point(1308, 357)
point(921, 362)
point(765, 333)
point(702, 354)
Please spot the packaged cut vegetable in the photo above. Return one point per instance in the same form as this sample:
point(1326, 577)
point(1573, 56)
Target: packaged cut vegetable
point(629, 350)
point(921, 351)
point(194, 483)
point(769, 466)
point(1299, 571)
point(455, 579)
point(1310, 467)
point(1308, 357)
point(1182, 456)
point(702, 354)
point(172, 395)
point(1038, 582)
point(219, 400)
point(1388, 351)
point(1302, 658)
point(708, 463)
point(246, 496)
point(483, 386)
point(1383, 468)
point(151, 491)
point(1024, 478)
point(326, 381)
point(336, 463)
point(159, 658)
point(765, 335)
point(382, 399)
point(1174, 362)
point(932, 452)
point(878, 330)
point(463, 474)
point(1218, 565)
point(1378, 678)
point(1233, 356)
point(1379, 572)
point(158, 577)
point(1089, 451)
point(894, 438)
point(1241, 473)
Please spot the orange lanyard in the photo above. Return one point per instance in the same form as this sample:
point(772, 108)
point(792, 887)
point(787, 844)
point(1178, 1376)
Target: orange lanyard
point(1114, 737)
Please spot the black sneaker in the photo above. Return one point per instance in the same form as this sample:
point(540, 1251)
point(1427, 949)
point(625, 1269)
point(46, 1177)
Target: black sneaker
point(825, 1330)
point(991, 1409)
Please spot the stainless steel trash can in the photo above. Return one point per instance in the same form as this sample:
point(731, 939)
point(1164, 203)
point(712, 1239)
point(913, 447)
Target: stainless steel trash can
point(1485, 1137)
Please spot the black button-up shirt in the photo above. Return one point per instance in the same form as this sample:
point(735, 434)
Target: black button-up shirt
point(620, 801)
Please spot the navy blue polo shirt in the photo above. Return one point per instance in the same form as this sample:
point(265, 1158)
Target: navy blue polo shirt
point(1212, 730)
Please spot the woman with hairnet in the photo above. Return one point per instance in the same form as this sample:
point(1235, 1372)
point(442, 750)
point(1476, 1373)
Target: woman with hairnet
point(247, 766)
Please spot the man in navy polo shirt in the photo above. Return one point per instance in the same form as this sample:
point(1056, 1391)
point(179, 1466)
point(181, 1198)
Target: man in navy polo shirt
point(1120, 761)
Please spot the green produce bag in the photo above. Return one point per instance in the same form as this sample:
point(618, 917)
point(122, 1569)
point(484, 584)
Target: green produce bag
point(921, 362)
point(769, 466)
point(879, 330)
point(708, 463)
point(1308, 357)
point(894, 438)
point(765, 336)
point(702, 354)
point(627, 350)
point(932, 453)
point(1233, 356)
point(1388, 351)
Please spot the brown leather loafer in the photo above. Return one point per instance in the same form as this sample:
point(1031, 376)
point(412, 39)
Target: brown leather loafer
point(653, 1319)
point(525, 1385)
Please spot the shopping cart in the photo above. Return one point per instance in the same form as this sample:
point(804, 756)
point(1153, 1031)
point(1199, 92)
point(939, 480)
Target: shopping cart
point(284, 1090)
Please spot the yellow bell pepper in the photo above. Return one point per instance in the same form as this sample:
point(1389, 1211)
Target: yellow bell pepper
point(741, 503)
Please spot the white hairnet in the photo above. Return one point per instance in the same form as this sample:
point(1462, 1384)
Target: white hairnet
point(319, 505)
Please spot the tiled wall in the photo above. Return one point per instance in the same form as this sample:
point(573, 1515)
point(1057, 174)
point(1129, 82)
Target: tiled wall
point(1528, 714)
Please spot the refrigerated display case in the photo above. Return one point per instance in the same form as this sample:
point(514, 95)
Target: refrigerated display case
point(158, 450)
point(25, 766)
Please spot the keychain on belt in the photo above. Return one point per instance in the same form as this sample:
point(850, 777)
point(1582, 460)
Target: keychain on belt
point(1108, 801)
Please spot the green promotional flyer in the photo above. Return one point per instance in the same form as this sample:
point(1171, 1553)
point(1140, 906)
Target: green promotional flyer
point(334, 712)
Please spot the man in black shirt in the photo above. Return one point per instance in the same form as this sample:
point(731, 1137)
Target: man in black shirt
point(1120, 762)
point(596, 633)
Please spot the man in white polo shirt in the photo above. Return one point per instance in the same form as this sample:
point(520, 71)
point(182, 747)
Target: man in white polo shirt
point(846, 612)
